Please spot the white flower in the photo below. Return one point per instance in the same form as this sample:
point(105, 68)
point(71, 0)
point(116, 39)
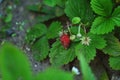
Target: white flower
point(75, 70)
point(86, 40)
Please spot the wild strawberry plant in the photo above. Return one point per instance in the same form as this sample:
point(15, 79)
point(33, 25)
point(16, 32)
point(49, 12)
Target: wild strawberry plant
point(92, 26)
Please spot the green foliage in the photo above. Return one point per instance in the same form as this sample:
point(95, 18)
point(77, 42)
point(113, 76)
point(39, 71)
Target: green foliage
point(53, 30)
point(76, 20)
point(107, 20)
point(116, 16)
point(53, 3)
point(60, 56)
point(43, 18)
point(39, 36)
point(102, 7)
point(36, 31)
point(102, 25)
point(50, 2)
point(113, 45)
point(114, 62)
point(35, 7)
point(14, 64)
point(48, 13)
point(89, 52)
point(81, 14)
point(79, 8)
point(8, 18)
point(41, 48)
point(97, 41)
point(54, 74)
point(11, 59)
point(86, 70)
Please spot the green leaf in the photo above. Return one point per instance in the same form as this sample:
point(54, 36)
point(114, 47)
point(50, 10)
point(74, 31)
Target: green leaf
point(53, 30)
point(9, 17)
point(59, 11)
point(43, 18)
point(50, 3)
point(75, 8)
point(36, 31)
point(35, 7)
point(97, 41)
point(86, 70)
point(53, 3)
point(54, 74)
point(102, 7)
point(102, 25)
point(14, 65)
point(48, 13)
point(113, 45)
point(60, 56)
point(116, 16)
point(115, 62)
point(89, 52)
point(41, 48)
point(76, 20)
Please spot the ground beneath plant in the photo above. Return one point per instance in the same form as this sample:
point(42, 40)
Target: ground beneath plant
point(21, 14)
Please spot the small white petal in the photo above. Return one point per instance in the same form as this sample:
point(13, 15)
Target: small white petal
point(75, 70)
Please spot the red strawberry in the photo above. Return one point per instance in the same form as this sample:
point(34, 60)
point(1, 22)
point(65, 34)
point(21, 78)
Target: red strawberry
point(65, 40)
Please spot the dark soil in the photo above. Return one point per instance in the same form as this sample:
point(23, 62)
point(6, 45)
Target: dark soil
point(21, 14)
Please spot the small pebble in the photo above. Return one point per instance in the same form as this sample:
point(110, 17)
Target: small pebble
point(28, 49)
point(35, 65)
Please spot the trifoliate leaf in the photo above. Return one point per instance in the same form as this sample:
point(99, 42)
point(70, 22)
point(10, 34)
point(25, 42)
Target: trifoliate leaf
point(41, 48)
point(76, 20)
point(89, 52)
point(116, 16)
point(102, 25)
point(54, 74)
point(86, 70)
point(60, 56)
point(102, 7)
point(53, 30)
point(14, 65)
point(115, 62)
point(113, 45)
point(35, 32)
point(97, 41)
point(75, 8)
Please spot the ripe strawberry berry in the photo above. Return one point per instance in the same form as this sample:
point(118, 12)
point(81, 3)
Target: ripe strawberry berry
point(65, 40)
